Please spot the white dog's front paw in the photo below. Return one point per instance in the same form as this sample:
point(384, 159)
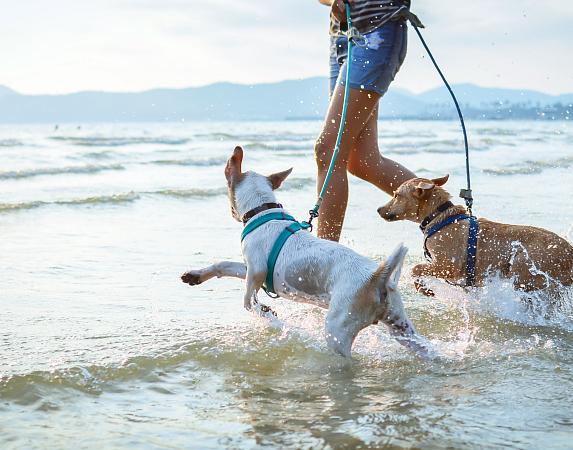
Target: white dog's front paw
point(192, 278)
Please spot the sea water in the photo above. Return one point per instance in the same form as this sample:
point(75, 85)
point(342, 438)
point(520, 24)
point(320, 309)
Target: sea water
point(102, 345)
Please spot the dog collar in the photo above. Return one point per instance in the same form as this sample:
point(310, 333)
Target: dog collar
point(259, 209)
point(429, 218)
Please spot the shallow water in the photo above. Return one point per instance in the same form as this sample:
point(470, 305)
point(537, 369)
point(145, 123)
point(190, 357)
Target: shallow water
point(102, 346)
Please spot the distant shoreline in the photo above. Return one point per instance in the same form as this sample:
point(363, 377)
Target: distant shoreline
point(305, 99)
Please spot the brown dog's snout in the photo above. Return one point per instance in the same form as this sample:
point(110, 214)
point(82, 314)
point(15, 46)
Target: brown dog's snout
point(385, 214)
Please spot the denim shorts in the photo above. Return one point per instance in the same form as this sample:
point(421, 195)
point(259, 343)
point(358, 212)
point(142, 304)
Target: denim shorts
point(374, 65)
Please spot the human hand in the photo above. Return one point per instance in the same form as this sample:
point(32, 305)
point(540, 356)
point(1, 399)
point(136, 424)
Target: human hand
point(339, 10)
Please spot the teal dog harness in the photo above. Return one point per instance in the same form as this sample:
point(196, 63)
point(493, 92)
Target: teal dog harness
point(289, 230)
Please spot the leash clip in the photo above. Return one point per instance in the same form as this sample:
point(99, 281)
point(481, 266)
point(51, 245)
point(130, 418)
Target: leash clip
point(355, 36)
point(466, 194)
point(313, 214)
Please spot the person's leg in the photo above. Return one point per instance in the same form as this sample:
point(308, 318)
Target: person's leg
point(361, 104)
point(366, 162)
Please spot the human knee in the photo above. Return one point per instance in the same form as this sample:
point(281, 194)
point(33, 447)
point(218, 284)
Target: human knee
point(323, 154)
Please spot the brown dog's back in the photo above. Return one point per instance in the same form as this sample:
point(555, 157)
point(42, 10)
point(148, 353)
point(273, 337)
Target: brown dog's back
point(529, 254)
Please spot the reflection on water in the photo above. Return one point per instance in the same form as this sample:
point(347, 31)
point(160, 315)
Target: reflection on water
point(100, 342)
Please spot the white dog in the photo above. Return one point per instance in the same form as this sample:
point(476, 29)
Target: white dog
point(355, 290)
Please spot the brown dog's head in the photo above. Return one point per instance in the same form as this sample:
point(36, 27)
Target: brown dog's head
point(248, 190)
point(412, 197)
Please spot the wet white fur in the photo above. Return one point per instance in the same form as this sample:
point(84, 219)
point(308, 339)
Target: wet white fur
point(253, 191)
point(319, 272)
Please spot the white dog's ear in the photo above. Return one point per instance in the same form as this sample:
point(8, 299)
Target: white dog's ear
point(441, 181)
point(233, 168)
point(277, 179)
point(393, 267)
point(423, 189)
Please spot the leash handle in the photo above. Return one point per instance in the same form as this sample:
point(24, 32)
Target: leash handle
point(314, 212)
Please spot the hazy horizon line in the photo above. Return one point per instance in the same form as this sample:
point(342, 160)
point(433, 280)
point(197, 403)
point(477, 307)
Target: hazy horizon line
point(175, 88)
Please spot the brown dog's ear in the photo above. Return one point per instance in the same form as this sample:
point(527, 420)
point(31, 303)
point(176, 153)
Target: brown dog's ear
point(233, 167)
point(277, 179)
point(441, 181)
point(423, 189)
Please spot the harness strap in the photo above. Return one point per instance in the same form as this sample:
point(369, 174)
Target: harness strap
point(275, 252)
point(291, 229)
point(256, 223)
point(472, 243)
point(437, 227)
point(472, 252)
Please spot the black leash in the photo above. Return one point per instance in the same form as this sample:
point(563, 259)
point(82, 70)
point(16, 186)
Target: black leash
point(466, 194)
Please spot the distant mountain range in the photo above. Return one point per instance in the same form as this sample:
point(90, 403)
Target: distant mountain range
point(286, 100)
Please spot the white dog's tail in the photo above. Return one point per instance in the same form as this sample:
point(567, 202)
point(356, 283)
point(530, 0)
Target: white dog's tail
point(394, 315)
point(387, 276)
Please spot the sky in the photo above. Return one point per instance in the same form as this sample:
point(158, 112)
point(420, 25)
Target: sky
point(62, 46)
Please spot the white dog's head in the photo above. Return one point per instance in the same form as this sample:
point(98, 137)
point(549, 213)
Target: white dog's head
point(247, 190)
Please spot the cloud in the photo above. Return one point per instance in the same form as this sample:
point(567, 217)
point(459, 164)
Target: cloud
point(121, 45)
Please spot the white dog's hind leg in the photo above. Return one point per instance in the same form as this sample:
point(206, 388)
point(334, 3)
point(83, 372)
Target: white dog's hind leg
point(220, 269)
point(402, 329)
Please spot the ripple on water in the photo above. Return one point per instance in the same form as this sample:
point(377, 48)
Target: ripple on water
point(104, 141)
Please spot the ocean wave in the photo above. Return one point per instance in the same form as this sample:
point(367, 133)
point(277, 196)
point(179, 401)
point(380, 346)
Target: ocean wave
point(96, 141)
point(496, 131)
point(17, 174)
point(443, 146)
point(10, 143)
point(507, 171)
point(94, 200)
point(212, 346)
point(531, 167)
point(198, 162)
point(129, 197)
point(189, 193)
point(267, 137)
point(117, 199)
point(406, 134)
point(296, 183)
point(106, 154)
point(487, 143)
point(308, 145)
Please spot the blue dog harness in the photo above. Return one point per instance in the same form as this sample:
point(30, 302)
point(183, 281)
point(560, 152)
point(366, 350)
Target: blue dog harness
point(472, 242)
point(291, 229)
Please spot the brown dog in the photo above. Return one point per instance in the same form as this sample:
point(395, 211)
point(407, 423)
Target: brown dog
point(536, 259)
